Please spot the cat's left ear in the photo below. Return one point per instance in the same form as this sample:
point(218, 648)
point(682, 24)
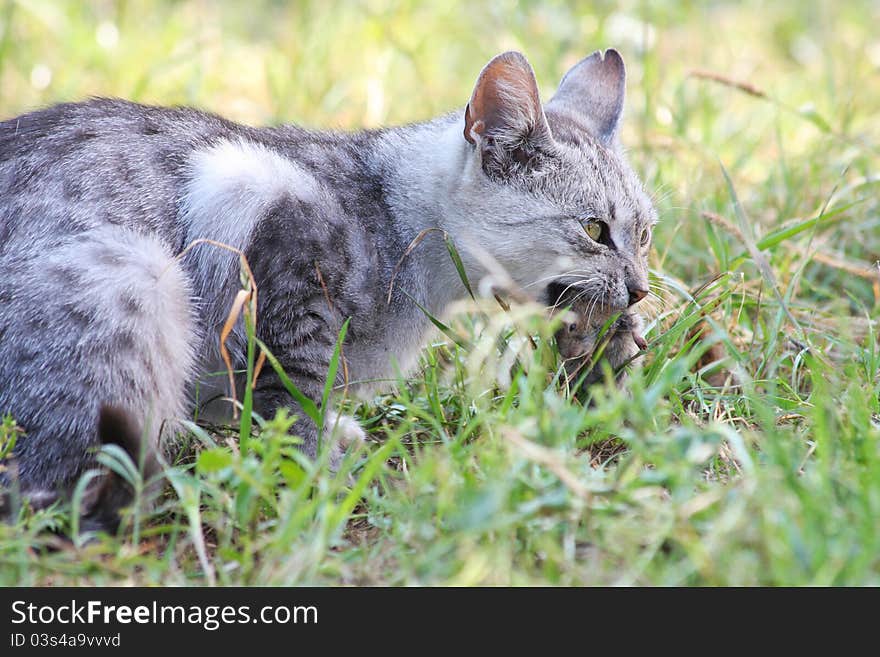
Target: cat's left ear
point(594, 89)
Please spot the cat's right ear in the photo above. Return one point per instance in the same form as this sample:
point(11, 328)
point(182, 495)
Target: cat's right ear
point(504, 117)
point(595, 89)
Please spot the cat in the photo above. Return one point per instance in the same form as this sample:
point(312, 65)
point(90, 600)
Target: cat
point(105, 314)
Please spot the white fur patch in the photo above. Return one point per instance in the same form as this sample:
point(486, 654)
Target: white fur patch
point(232, 184)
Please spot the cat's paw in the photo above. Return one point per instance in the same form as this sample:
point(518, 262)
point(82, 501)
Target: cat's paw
point(343, 430)
point(341, 433)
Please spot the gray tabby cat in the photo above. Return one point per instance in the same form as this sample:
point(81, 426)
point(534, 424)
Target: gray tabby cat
point(104, 332)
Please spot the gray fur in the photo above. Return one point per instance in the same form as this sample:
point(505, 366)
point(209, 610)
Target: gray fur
point(97, 200)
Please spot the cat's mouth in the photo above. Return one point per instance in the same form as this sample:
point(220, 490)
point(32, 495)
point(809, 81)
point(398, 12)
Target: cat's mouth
point(577, 338)
point(563, 293)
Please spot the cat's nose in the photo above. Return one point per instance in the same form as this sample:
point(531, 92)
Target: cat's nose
point(636, 295)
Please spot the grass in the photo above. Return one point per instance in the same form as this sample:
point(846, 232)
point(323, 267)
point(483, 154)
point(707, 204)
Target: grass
point(745, 451)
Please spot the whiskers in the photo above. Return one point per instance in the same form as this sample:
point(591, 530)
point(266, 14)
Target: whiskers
point(552, 277)
point(657, 299)
point(588, 292)
point(660, 194)
point(583, 287)
point(589, 315)
point(578, 279)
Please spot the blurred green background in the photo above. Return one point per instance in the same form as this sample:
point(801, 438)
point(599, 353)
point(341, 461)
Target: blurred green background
point(354, 64)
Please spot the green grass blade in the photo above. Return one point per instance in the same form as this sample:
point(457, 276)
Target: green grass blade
point(446, 330)
point(247, 405)
point(459, 265)
point(757, 256)
point(777, 237)
point(308, 406)
point(370, 470)
point(331, 375)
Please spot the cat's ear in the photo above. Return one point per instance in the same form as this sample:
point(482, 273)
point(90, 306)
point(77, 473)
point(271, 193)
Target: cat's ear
point(594, 89)
point(504, 117)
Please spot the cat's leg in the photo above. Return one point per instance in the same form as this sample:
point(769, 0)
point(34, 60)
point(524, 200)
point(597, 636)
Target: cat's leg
point(302, 334)
point(100, 321)
point(310, 267)
point(308, 373)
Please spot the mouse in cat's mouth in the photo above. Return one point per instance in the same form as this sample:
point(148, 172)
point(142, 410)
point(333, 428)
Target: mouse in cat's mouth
point(580, 337)
point(581, 333)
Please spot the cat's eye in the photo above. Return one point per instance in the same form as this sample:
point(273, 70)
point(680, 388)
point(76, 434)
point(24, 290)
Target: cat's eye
point(593, 229)
point(646, 236)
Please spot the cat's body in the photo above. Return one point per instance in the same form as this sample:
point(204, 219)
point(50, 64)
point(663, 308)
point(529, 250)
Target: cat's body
point(99, 199)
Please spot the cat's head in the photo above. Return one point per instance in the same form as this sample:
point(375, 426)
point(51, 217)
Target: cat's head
point(546, 189)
